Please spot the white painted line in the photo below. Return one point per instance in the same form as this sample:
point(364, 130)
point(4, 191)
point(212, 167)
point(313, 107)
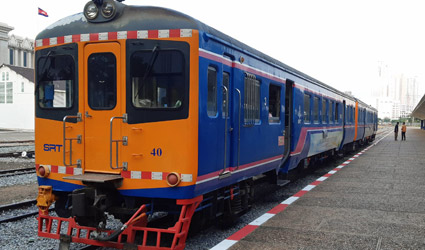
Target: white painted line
point(260, 220)
point(332, 172)
point(225, 244)
point(290, 200)
point(352, 158)
point(309, 187)
point(340, 166)
point(346, 162)
point(322, 178)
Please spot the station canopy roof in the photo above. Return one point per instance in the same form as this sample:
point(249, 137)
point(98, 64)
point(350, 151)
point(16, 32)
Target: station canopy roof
point(419, 111)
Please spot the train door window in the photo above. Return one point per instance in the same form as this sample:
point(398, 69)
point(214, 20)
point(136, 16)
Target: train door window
point(251, 99)
point(102, 81)
point(55, 77)
point(336, 112)
point(307, 118)
point(274, 103)
point(316, 109)
point(226, 80)
point(212, 92)
point(330, 110)
point(324, 104)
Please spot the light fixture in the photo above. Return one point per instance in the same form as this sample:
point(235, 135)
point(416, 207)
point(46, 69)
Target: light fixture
point(108, 9)
point(90, 10)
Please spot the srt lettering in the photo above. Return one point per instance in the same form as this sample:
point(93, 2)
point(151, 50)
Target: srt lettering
point(52, 147)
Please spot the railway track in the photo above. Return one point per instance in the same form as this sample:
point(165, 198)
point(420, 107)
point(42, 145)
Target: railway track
point(17, 171)
point(15, 206)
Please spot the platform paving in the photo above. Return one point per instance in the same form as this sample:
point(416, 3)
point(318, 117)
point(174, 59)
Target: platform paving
point(375, 202)
point(16, 135)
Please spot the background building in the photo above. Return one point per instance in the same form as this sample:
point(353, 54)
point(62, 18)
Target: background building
point(396, 94)
point(16, 80)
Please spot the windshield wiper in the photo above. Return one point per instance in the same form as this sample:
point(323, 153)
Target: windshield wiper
point(154, 56)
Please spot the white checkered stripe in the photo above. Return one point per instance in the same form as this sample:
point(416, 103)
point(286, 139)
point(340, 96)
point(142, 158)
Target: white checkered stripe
point(104, 36)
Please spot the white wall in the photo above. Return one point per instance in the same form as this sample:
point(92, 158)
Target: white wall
point(20, 113)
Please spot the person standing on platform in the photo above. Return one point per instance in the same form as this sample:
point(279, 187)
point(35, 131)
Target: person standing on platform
point(396, 131)
point(403, 131)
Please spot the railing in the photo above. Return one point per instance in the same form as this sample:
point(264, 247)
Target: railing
point(112, 141)
point(78, 139)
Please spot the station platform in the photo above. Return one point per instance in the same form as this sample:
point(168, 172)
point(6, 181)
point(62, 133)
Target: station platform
point(375, 200)
point(7, 135)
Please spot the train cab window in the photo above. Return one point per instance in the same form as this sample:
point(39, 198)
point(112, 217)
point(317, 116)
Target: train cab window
point(307, 118)
point(336, 112)
point(251, 99)
point(316, 109)
point(324, 104)
point(102, 81)
point(226, 95)
point(274, 103)
point(55, 78)
point(212, 92)
point(157, 79)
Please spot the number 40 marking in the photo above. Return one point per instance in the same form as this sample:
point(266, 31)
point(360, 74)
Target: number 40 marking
point(156, 152)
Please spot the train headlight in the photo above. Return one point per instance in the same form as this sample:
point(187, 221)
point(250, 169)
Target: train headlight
point(108, 9)
point(91, 11)
point(173, 179)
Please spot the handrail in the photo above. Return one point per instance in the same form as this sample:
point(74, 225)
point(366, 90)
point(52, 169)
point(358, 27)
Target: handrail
point(239, 126)
point(79, 118)
point(111, 141)
point(225, 129)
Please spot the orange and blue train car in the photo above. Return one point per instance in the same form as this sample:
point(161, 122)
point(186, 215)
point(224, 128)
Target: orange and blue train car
point(145, 112)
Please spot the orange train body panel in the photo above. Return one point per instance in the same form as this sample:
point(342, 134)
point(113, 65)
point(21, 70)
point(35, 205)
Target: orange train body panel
point(177, 139)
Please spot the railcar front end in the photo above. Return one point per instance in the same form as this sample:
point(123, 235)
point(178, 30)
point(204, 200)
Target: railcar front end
point(116, 125)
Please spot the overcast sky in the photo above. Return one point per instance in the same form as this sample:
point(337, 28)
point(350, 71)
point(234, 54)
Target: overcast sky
point(337, 42)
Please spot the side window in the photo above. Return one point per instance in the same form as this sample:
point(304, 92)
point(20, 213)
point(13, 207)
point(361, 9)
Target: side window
point(212, 92)
point(331, 110)
point(274, 103)
point(251, 99)
point(307, 108)
point(336, 112)
point(2, 92)
point(9, 92)
point(347, 114)
point(226, 79)
point(316, 109)
point(324, 104)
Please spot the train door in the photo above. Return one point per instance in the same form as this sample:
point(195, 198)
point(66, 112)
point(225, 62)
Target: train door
point(102, 101)
point(288, 116)
point(231, 121)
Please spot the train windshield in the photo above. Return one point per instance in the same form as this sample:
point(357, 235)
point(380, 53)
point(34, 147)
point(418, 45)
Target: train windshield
point(157, 78)
point(56, 76)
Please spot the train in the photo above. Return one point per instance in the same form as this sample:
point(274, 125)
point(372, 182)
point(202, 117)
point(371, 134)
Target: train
point(145, 113)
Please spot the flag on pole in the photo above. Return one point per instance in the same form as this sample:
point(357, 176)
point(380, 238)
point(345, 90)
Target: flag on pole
point(42, 12)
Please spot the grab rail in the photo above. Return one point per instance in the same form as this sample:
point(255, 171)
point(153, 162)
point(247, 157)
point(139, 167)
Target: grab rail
point(79, 118)
point(239, 126)
point(111, 141)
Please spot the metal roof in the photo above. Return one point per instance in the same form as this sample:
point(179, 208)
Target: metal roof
point(28, 73)
point(419, 111)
